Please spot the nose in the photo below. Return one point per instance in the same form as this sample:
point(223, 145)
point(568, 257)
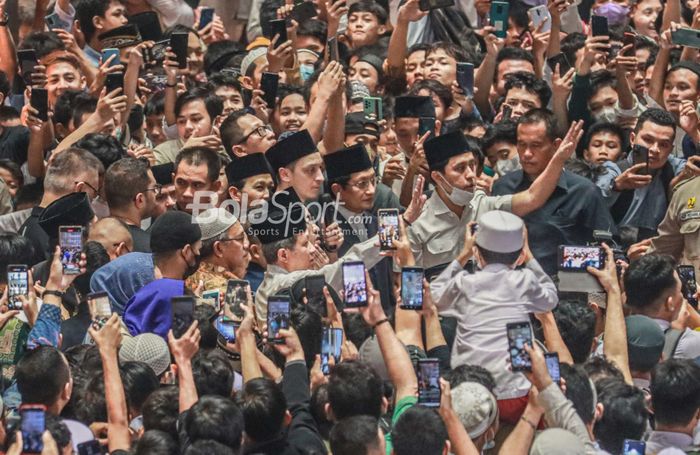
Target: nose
point(188, 193)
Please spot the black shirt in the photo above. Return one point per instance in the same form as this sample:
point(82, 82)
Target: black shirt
point(141, 239)
point(14, 143)
point(36, 235)
point(571, 214)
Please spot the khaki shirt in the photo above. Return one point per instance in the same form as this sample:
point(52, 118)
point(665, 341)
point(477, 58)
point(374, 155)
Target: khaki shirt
point(437, 236)
point(679, 232)
point(212, 276)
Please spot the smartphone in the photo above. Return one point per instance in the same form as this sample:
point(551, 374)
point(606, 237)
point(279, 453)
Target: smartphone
point(552, 361)
point(178, 44)
point(519, 334)
point(507, 112)
point(114, 81)
point(303, 11)
point(236, 294)
point(599, 26)
point(326, 350)
point(100, 309)
point(640, 155)
point(107, 53)
point(269, 82)
point(155, 55)
point(213, 296)
point(354, 284)
point(27, 60)
point(429, 382)
point(427, 5)
point(90, 448)
point(247, 95)
point(278, 308)
point(688, 284)
point(577, 258)
point(17, 285)
point(52, 21)
point(373, 108)
point(206, 15)
point(388, 228)
point(465, 77)
point(412, 288)
point(183, 314)
point(540, 14)
point(426, 124)
point(40, 101)
point(278, 27)
point(633, 447)
point(70, 239)
point(33, 425)
point(498, 18)
point(332, 47)
point(314, 294)
point(227, 328)
point(562, 60)
point(687, 37)
point(630, 39)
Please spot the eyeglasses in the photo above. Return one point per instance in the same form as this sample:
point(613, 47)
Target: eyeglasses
point(261, 131)
point(363, 185)
point(158, 189)
point(240, 238)
point(89, 186)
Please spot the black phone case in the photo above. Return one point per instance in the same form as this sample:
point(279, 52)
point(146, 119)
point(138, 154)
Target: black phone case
point(178, 43)
point(599, 26)
point(114, 81)
point(278, 27)
point(40, 101)
point(206, 16)
point(269, 83)
point(303, 12)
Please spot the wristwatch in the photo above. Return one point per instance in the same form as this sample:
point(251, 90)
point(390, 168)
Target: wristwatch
point(5, 18)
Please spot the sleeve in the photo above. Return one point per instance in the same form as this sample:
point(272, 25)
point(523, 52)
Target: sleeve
point(605, 181)
point(446, 288)
point(66, 17)
point(670, 240)
point(541, 293)
point(173, 12)
point(688, 345)
point(254, 28)
point(678, 164)
point(302, 430)
point(484, 203)
point(414, 239)
point(560, 412)
point(578, 103)
point(47, 328)
point(596, 214)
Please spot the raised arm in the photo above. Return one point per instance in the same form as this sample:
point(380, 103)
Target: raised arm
point(183, 349)
point(552, 337)
point(396, 57)
point(460, 442)
point(245, 337)
point(328, 83)
point(658, 75)
point(334, 133)
point(8, 58)
point(486, 73)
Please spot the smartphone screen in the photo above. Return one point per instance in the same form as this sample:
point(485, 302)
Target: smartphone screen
point(277, 317)
point(314, 294)
point(632, 447)
point(412, 288)
point(100, 309)
point(599, 26)
point(114, 81)
point(303, 11)
point(236, 294)
point(640, 155)
point(33, 426)
point(630, 39)
point(388, 228)
point(465, 77)
point(689, 285)
point(580, 257)
point(206, 15)
point(426, 124)
point(213, 296)
point(178, 44)
point(107, 53)
point(278, 27)
point(269, 83)
point(90, 448)
point(337, 344)
point(354, 284)
point(156, 54)
point(552, 361)
point(183, 314)
point(17, 285)
point(429, 382)
point(40, 101)
point(27, 61)
point(70, 239)
point(326, 350)
point(227, 328)
point(498, 18)
point(519, 333)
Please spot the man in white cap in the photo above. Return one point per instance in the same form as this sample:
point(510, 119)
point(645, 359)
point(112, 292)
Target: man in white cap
point(484, 302)
point(477, 409)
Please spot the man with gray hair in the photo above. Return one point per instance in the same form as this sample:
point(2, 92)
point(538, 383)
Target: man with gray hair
point(72, 171)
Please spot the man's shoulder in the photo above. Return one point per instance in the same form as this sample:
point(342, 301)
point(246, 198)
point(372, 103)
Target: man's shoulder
point(579, 184)
point(507, 182)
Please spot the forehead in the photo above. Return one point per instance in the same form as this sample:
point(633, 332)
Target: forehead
point(605, 136)
point(359, 65)
point(235, 229)
point(293, 99)
point(521, 93)
point(193, 107)
point(310, 160)
point(258, 179)
point(366, 174)
point(191, 170)
point(61, 68)
point(417, 55)
point(649, 127)
point(514, 65)
point(683, 75)
point(249, 121)
point(532, 129)
point(226, 90)
point(464, 158)
point(648, 4)
point(605, 92)
point(438, 54)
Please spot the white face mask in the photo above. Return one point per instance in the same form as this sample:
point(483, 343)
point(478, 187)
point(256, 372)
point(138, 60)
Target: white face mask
point(607, 114)
point(503, 167)
point(457, 196)
point(305, 71)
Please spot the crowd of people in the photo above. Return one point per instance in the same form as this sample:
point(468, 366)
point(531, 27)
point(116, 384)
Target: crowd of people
point(178, 159)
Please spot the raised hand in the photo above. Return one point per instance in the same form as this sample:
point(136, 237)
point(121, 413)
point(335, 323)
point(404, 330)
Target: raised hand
point(570, 141)
point(185, 347)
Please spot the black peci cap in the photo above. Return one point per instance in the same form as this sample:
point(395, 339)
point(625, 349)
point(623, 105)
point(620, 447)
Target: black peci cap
point(288, 150)
point(347, 161)
point(414, 107)
point(440, 149)
point(247, 166)
point(120, 37)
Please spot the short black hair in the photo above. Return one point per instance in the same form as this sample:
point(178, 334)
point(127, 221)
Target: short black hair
point(655, 115)
point(571, 43)
point(41, 375)
point(14, 169)
point(513, 53)
point(139, 382)
point(354, 388)
point(83, 105)
point(675, 391)
point(370, 6)
point(624, 414)
point(43, 43)
point(443, 92)
point(576, 322)
point(160, 411)
point(600, 79)
point(419, 431)
point(124, 180)
point(231, 132)
point(648, 279)
point(105, 147)
point(598, 367)
point(285, 90)
point(212, 103)
point(213, 373)
point(207, 447)
point(264, 406)
point(604, 127)
point(504, 131)
point(536, 116)
point(155, 104)
point(470, 373)
point(156, 442)
point(451, 49)
point(86, 10)
point(200, 155)
point(528, 81)
point(224, 79)
point(216, 418)
point(354, 435)
point(579, 389)
point(219, 55)
point(65, 105)
point(313, 28)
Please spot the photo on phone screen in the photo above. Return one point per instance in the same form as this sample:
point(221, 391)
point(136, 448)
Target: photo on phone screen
point(519, 334)
point(337, 343)
point(388, 228)
point(33, 425)
point(277, 317)
point(17, 285)
point(183, 314)
point(100, 309)
point(465, 77)
point(552, 361)
point(27, 61)
point(236, 295)
point(354, 284)
point(429, 382)
point(227, 328)
point(633, 447)
point(314, 294)
point(689, 285)
point(412, 288)
point(213, 296)
point(155, 55)
point(580, 257)
point(90, 448)
point(70, 238)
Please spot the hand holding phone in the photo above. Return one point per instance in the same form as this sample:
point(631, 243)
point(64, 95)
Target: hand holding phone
point(40, 101)
point(178, 44)
point(33, 425)
point(100, 309)
point(278, 27)
point(412, 288)
point(551, 359)
point(332, 46)
point(70, 239)
point(226, 328)
point(689, 285)
point(27, 60)
point(109, 52)
point(599, 26)
point(429, 382)
point(372, 107)
point(579, 258)
point(278, 314)
point(269, 83)
point(498, 18)
point(465, 78)
point(236, 295)
point(114, 81)
point(640, 155)
point(519, 334)
point(354, 284)
point(182, 314)
point(206, 15)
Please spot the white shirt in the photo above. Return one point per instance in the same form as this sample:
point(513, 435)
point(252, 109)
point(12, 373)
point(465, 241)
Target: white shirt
point(483, 303)
point(667, 442)
point(688, 345)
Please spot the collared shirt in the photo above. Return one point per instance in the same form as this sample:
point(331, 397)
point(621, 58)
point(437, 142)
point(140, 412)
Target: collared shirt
point(660, 440)
point(437, 236)
point(483, 303)
point(571, 214)
point(688, 345)
point(355, 220)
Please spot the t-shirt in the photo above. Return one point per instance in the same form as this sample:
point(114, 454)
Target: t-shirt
point(403, 405)
point(14, 143)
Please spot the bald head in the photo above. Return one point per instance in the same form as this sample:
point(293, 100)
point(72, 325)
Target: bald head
point(113, 235)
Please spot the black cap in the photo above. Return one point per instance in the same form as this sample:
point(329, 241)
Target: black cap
point(288, 150)
point(73, 209)
point(148, 25)
point(414, 107)
point(163, 173)
point(356, 123)
point(172, 231)
point(286, 217)
point(440, 149)
point(347, 161)
point(120, 37)
point(247, 166)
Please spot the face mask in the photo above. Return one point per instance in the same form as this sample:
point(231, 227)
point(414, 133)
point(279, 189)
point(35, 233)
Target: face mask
point(607, 114)
point(615, 12)
point(305, 71)
point(457, 196)
point(503, 167)
point(191, 269)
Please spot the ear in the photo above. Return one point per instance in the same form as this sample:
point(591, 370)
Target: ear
point(234, 193)
point(139, 200)
point(587, 154)
point(438, 127)
point(447, 448)
point(632, 137)
point(557, 143)
point(247, 82)
point(669, 304)
point(381, 29)
point(385, 405)
point(329, 412)
point(285, 175)
point(238, 151)
point(336, 188)
point(217, 249)
point(282, 256)
point(599, 411)
point(287, 419)
point(97, 23)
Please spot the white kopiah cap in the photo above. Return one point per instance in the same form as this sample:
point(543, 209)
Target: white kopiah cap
point(500, 232)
